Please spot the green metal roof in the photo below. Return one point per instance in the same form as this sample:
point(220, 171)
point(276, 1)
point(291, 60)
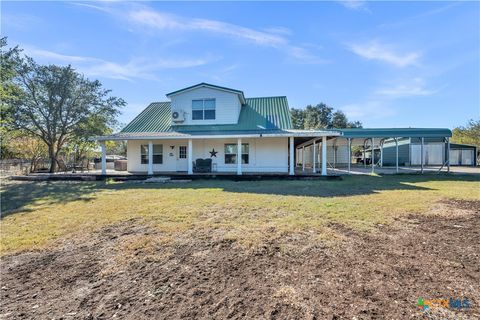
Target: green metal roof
point(461, 146)
point(258, 114)
point(395, 132)
point(155, 118)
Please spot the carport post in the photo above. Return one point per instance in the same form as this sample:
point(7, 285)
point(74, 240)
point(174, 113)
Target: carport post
point(190, 157)
point(421, 156)
point(292, 158)
point(373, 155)
point(104, 158)
point(314, 158)
point(349, 153)
point(334, 145)
point(150, 157)
point(303, 158)
point(364, 155)
point(324, 156)
point(396, 154)
point(381, 153)
point(448, 154)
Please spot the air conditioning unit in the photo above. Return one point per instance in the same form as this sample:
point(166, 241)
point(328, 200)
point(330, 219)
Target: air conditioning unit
point(178, 116)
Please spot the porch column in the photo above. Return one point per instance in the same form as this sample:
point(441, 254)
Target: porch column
point(190, 157)
point(292, 158)
point(396, 154)
point(150, 157)
point(314, 158)
point(422, 157)
point(349, 153)
point(303, 158)
point(239, 156)
point(373, 155)
point(448, 154)
point(104, 157)
point(324, 156)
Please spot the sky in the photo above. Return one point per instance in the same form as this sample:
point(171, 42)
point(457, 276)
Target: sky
point(386, 64)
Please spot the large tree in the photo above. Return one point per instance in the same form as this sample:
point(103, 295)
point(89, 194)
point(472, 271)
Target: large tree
point(469, 134)
point(9, 92)
point(59, 105)
point(321, 116)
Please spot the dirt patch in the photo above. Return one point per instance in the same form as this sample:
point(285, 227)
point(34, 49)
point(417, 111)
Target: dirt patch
point(130, 271)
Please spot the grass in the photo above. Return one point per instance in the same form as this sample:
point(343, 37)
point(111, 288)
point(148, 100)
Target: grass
point(35, 214)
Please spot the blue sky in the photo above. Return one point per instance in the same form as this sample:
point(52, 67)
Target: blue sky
point(387, 64)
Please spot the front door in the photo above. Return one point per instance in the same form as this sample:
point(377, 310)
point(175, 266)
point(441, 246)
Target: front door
point(182, 164)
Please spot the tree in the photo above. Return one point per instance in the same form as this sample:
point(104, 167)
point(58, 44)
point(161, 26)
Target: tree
point(470, 134)
point(58, 105)
point(354, 124)
point(321, 116)
point(9, 92)
point(30, 148)
point(318, 117)
point(339, 120)
point(298, 118)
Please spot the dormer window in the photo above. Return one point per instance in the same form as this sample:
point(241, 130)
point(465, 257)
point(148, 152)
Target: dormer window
point(203, 109)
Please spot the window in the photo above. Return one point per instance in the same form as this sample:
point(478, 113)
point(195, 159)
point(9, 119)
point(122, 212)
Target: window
point(182, 152)
point(157, 153)
point(203, 109)
point(231, 153)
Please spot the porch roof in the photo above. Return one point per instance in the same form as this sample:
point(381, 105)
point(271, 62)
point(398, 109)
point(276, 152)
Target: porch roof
point(395, 132)
point(175, 135)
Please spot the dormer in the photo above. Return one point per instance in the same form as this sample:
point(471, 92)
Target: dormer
point(206, 104)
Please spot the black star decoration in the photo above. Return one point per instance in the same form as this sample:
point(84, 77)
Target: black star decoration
point(213, 153)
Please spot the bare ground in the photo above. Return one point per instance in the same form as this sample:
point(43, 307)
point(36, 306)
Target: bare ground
point(130, 271)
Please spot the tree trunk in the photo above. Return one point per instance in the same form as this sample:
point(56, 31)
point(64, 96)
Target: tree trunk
point(53, 159)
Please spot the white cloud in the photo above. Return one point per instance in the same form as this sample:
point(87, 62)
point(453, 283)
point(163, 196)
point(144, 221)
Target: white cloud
point(415, 87)
point(275, 37)
point(166, 21)
point(54, 56)
point(378, 104)
point(371, 109)
point(20, 21)
point(354, 4)
point(133, 69)
point(374, 50)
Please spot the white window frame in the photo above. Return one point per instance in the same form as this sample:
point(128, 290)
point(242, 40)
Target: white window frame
point(204, 109)
point(245, 146)
point(144, 153)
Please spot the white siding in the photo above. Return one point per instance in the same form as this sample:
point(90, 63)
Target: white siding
point(265, 154)
point(227, 105)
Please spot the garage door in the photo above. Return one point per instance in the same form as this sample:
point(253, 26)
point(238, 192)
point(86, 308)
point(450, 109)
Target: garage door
point(455, 157)
point(432, 154)
point(467, 157)
point(461, 157)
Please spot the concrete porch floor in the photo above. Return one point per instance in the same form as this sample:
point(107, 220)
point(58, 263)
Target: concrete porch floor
point(299, 174)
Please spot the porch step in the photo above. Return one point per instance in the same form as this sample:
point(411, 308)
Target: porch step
point(157, 180)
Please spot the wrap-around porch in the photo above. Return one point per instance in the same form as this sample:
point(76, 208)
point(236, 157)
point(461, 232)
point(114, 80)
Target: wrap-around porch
point(239, 155)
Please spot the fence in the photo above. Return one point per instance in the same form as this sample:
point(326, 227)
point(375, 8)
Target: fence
point(10, 167)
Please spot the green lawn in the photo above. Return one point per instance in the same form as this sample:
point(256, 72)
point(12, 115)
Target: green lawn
point(35, 214)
